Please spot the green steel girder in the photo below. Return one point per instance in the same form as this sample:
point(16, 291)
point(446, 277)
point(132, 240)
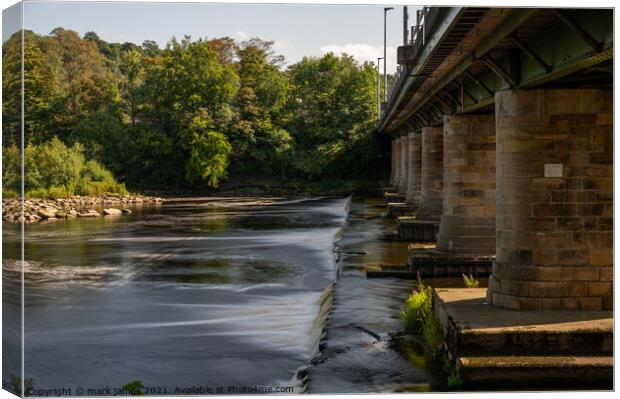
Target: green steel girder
point(564, 49)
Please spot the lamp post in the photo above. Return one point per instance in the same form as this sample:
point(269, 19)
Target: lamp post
point(385, 11)
point(379, 88)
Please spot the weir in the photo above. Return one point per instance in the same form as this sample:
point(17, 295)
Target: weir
point(514, 107)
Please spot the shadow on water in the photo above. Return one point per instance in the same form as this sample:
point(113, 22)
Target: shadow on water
point(215, 294)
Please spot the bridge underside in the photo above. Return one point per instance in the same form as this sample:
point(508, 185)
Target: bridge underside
point(472, 53)
point(522, 104)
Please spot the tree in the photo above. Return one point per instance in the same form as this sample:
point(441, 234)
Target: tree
point(86, 83)
point(39, 85)
point(333, 110)
point(185, 81)
point(258, 133)
point(131, 68)
point(209, 154)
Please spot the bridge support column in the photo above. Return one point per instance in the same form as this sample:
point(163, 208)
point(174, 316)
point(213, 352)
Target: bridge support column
point(398, 207)
point(395, 197)
point(423, 227)
point(404, 164)
point(466, 238)
point(554, 200)
point(414, 181)
point(393, 163)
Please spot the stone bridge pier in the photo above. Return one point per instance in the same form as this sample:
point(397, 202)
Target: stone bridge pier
point(466, 238)
point(414, 177)
point(392, 164)
point(392, 195)
point(398, 205)
point(554, 200)
point(424, 225)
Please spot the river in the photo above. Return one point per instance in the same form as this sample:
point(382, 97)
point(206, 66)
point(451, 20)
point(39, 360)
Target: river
point(198, 294)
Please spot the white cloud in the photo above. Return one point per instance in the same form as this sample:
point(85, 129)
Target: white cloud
point(242, 35)
point(364, 52)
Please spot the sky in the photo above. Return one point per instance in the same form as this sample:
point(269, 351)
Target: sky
point(296, 29)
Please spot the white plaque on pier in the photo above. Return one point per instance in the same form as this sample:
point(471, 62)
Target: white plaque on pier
point(553, 170)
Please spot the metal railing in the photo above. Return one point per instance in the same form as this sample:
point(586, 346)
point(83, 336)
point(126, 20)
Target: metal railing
point(418, 38)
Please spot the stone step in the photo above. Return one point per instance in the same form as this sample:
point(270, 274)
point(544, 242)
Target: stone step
point(431, 262)
point(396, 209)
point(394, 197)
point(413, 230)
point(471, 327)
point(536, 371)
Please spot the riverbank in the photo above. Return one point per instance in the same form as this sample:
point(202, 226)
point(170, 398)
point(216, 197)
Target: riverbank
point(274, 187)
point(48, 209)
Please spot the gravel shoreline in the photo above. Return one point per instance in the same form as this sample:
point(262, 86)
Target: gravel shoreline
point(39, 209)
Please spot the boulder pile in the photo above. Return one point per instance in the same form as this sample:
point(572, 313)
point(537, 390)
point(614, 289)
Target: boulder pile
point(38, 209)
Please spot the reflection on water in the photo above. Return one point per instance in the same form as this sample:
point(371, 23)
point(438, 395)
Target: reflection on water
point(204, 293)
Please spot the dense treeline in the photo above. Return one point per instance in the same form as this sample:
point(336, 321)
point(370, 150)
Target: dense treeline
point(191, 114)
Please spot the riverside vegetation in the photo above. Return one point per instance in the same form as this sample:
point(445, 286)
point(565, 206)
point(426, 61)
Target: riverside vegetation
point(419, 319)
point(101, 116)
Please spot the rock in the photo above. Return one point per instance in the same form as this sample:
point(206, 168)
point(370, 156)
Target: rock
point(127, 211)
point(61, 215)
point(47, 213)
point(112, 211)
point(91, 213)
point(72, 212)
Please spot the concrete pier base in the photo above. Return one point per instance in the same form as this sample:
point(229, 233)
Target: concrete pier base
point(413, 230)
point(496, 347)
point(396, 209)
point(393, 196)
point(429, 261)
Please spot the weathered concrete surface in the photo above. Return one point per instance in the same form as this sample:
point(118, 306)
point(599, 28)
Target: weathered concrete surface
point(394, 197)
point(414, 174)
point(430, 261)
point(413, 230)
point(396, 209)
point(555, 372)
point(493, 345)
point(554, 200)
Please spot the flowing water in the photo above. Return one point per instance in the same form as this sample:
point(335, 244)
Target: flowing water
point(206, 294)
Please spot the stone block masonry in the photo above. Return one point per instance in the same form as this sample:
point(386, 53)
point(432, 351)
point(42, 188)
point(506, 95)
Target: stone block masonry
point(393, 162)
point(397, 156)
point(432, 174)
point(404, 165)
point(468, 215)
point(554, 200)
point(414, 182)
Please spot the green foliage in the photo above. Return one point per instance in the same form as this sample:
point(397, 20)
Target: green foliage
point(39, 84)
point(470, 281)
point(134, 109)
point(135, 388)
point(333, 112)
point(15, 383)
point(11, 170)
point(209, 156)
point(258, 134)
point(418, 308)
point(454, 381)
point(54, 170)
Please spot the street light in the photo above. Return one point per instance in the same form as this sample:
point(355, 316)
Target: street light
point(385, 11)
point(379, 87)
